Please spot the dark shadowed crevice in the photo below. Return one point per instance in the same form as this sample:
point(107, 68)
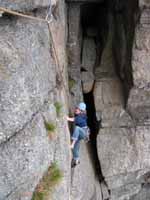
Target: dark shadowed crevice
point(94, 24)
point(126, 15)
point(94, 126)
point(95, 16)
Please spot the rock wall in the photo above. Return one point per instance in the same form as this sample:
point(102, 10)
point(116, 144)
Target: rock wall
point(122, 102)
point(80, 60)
point(25, 5)
point(31, 82)
point(120, 85)
point(108, 59)
point(139, 94)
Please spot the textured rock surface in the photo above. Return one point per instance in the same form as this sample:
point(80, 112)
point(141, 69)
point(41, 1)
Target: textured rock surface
point(123, 146)
point(121, 78)
point(138, 102)
point(74, 52)
point(88, 62)
point(82, 188)
point(30, 84)
point(26, 156)
point(25, 82)
point(133, 63)
point(23, 160)
point(25, 5)
point(128, 162)
point(144, 3)
point(126, 16)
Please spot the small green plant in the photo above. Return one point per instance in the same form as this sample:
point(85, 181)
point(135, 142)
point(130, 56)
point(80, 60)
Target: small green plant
point(55, 174)
point(50, 126)
point(38, 196)
point(58, 107)
point(71, 83)
point(51, 178)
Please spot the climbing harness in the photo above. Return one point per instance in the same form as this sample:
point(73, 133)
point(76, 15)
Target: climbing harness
point(87, 133)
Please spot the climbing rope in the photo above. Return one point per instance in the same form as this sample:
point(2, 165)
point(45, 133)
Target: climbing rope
point(47, 20)
point(15, 13)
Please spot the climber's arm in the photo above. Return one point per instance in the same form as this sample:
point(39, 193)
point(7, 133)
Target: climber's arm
point(70, 119)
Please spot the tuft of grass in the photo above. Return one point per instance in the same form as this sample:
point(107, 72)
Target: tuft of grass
point(50, 126)
point(38, 196)
point(58, 107)
point(71, 83)
point(51, 178)
point(55, 174)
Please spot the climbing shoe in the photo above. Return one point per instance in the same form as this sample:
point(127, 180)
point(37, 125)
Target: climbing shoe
point(74, 163)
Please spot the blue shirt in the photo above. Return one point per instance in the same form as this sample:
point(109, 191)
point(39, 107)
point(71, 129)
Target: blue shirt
point(81, 120)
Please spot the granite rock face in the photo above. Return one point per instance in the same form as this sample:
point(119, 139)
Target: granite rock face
point(32, 81)
point(25, 5)
point(122, 143)
point(88, 63)
point(30, 85)
point(25, 81)
point(128, 163)
point(27, 155)
point(74, 52)
point(132, 63)
point(82, 188)
point(121, 94)
point(138, 102)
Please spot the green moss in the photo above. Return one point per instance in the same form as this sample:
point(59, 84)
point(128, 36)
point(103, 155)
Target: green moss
point(58, 107)
point(71, 83)
point(51, 178)
point(55, 175)
point(50, 126)
point(38, 196)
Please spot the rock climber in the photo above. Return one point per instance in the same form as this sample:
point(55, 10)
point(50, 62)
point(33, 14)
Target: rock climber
point(80, 132)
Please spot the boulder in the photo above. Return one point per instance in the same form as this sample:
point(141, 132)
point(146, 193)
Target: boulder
point(126, 161)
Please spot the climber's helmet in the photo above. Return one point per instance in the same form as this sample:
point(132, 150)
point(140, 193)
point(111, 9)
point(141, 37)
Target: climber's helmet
point(82, 106)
